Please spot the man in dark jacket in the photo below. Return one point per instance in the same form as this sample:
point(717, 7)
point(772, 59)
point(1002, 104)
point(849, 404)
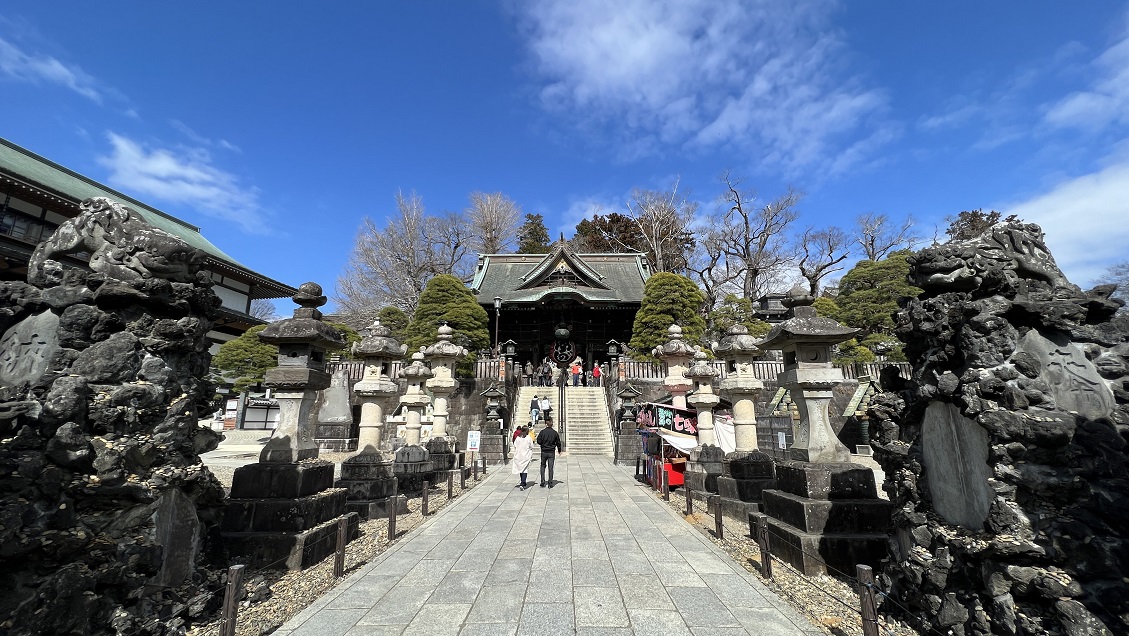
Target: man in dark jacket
point(550, 443)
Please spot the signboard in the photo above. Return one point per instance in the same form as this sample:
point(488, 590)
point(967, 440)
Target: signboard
point(473, 441)
point(666, 416)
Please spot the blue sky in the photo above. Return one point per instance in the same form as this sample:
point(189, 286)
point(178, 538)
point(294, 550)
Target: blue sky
point(277, 127)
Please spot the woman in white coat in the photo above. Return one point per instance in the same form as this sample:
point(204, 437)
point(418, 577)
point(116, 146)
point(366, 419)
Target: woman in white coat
point(523, 454)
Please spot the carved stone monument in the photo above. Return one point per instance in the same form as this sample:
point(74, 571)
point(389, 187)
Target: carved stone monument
point(1007, 456)
point(368, 475)
point(284, 508)
point(101, 484)
point(334, 430)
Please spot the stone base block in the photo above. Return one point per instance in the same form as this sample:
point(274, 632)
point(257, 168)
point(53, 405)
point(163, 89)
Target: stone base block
point(366, 489)
point(629, 447)
point(335, 430)
point(276, 514)
point(292, 550)
point(743, 489)
point(377, 508)
point(493, 448)
point(813, 554)
point(733, 509)
point(755, 465)
point(821, 516)
point(699, 481)
point(826, 481)
point(366, 467)
point(334, 445)
point(288, 481)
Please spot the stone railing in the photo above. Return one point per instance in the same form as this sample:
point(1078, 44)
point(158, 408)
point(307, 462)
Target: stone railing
point(638, 370)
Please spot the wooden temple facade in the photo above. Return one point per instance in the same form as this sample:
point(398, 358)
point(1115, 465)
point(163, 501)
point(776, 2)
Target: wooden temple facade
point(560, 305)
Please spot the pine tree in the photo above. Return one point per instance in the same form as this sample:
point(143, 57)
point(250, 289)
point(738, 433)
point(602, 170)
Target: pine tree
point(734, 310)
point(246, 358)
point(446, 298)
point(667, 299)
point(395, 319)
point(533, 236)
point(868, 299)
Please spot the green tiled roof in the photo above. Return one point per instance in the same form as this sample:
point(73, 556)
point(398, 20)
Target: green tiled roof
point(28, 166)
point(520, 278)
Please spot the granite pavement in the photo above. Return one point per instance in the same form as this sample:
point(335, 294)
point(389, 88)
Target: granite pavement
point(597, 554)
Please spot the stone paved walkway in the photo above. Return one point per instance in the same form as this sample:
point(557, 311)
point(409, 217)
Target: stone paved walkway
point(597, 554)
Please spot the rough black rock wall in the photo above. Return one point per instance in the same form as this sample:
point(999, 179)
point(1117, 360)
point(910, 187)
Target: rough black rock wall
point(104, 503)
point(1006, 454)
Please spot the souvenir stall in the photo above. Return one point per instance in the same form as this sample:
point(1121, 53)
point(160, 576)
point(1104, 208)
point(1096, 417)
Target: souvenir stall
point(668, 435)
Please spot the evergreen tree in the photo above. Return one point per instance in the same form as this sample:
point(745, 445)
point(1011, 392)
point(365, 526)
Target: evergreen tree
point(852, 351)
point(446, 298)
point(734, 310)
point(869, 293)
point(351, 336)
point(395, 319)
point(246, 359)
point(667, 299)
point(533, 236)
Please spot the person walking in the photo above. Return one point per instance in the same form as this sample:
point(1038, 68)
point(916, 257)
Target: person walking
point(575, 370)
point(528, 373)
point(550, 443)
point(546, 407)
point(523, 454)
point(596, 374)
point(534, 408)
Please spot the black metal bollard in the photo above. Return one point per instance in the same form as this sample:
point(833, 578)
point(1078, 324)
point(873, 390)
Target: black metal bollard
point(342, 539)
point(393, 505)
point(423, 503)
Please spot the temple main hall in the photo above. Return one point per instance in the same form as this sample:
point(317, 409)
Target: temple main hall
point(562, 304)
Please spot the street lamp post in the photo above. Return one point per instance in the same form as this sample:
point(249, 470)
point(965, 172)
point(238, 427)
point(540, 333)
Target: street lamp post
point(497, 321)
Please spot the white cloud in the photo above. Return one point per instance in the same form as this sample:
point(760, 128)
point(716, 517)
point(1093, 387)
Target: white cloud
point(1083, 219)
point(762, 77)
point(1106, 101)
point(199, 139)
point(46, 69)
point(184, 176)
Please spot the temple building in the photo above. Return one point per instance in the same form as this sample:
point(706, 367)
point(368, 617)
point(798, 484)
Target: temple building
point(37, 195)
point(562, 304)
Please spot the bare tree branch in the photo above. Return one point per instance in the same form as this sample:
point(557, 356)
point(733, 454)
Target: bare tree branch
point(664, 220)
point(752, 238)
point(390, 266)
point(820, 252)
point(263, 309)
point(494, 219)
point(878, 236)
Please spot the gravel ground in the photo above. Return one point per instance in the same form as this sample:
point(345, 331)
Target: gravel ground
point(274, 596)
point(829, 602)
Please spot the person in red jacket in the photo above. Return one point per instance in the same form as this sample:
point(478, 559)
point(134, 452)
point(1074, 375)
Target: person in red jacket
point(596, 374)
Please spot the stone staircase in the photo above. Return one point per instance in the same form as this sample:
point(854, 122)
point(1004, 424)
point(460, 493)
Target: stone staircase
point(524, 398)
point(587, 429)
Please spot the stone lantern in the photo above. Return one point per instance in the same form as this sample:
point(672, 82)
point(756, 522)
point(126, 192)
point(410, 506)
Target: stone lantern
point(414, 400)
point(377, 349)
point(676, 355)
point(443, 356)
point(369, 474)
point(627, 440)
point(703, 398)
point(284, 509)
point(806, 340)
point(302, 342)
point(741, 386)
point(493, 407)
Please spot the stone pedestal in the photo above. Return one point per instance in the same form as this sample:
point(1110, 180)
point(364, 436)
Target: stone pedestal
point(412, 467)
point(281, 515)
point(825, 513)
point(442, 456)
point(629, 447)
point(745, 478)
point(703, 469)
point(493, 449)
point(370, 480)
point(815, 440)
